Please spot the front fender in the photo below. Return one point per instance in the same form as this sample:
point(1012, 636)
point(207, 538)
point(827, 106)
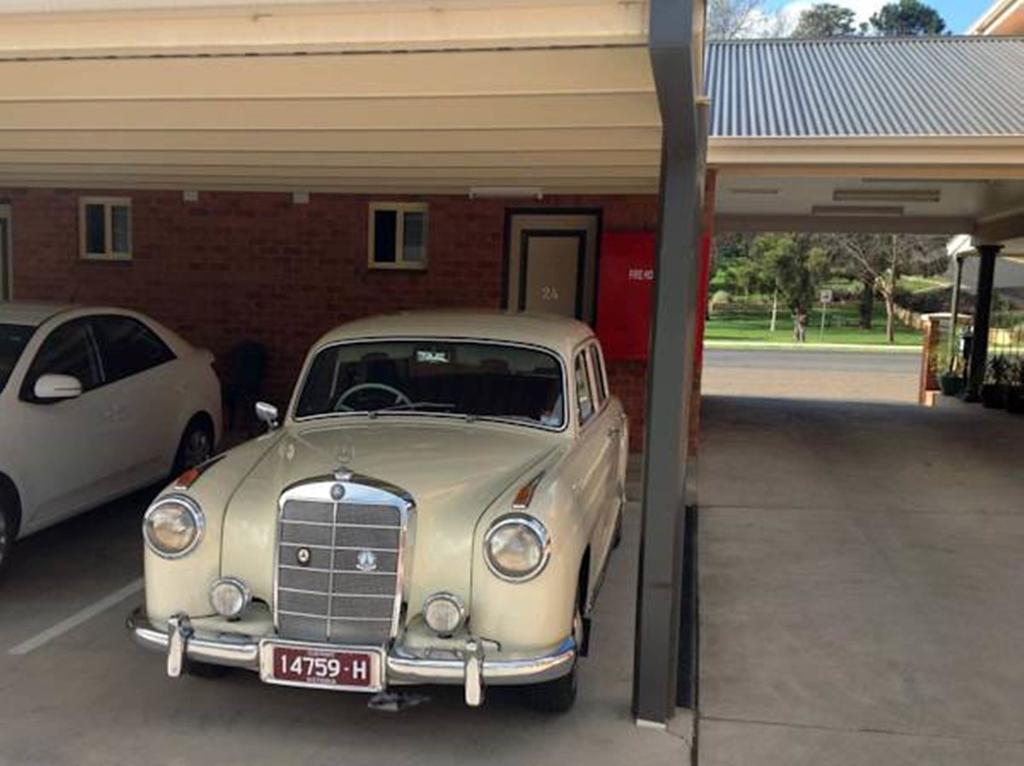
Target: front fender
point(183, 585)
point(536, 614)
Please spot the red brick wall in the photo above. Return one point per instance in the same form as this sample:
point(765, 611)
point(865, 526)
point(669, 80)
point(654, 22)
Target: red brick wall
point(237, 266)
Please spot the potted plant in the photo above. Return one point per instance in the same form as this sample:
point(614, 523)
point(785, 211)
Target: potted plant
point(951, 380)
point(993, 392)
point(1015, 394)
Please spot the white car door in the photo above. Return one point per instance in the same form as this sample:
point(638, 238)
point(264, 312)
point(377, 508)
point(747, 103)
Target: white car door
point(71, 451)
point(142, 373)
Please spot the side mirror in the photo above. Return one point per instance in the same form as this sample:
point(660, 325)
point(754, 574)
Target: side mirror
point(267, 413)
point(54, 387)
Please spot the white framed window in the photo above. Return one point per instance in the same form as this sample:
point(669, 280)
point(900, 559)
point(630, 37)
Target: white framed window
point(398, 235)
point(105, 228)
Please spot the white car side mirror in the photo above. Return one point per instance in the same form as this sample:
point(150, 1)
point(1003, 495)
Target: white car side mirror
point(53, 387)
point(267, 413)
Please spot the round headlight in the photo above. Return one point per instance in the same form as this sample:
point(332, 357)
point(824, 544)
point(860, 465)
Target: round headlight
point(173, 526)
point(517, 548)
point(444, 613)
point(229, 597)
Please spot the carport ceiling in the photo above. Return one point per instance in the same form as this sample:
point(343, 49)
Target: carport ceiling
point(391, 96)
point(879, 134)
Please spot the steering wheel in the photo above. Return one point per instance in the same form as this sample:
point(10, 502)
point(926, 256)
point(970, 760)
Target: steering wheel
point(400, 398)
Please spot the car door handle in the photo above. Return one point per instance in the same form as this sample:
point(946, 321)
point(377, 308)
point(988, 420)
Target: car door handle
point(613, 433)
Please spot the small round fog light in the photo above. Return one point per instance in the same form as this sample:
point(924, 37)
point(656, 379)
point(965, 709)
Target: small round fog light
point(445, 613)
point(229, 597)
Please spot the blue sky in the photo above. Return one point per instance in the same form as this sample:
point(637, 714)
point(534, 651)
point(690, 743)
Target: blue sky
point(959, 14)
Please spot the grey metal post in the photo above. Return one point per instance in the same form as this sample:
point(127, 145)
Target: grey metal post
point(955, 313)
point(982, 319)
point(670, 370)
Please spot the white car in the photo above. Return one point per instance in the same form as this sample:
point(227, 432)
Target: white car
point(94, 403)
point(436, 506)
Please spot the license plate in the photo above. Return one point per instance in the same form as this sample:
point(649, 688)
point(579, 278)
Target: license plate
point(337, 668)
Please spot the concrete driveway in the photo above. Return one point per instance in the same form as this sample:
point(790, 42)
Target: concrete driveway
point(861, 579)
point(74, 690)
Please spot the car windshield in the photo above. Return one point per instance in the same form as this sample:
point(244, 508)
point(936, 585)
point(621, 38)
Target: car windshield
point(13, 338)
point(460, 378)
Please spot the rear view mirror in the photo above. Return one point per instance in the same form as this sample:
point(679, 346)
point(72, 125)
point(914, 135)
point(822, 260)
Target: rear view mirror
point(267, 413)
point(54, 387)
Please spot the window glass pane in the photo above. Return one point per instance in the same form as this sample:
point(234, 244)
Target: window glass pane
point(595, 363)
point(414, 237)
point(68, 350)
point(121, 228)
point(95, 229)
point(437, 378)
point(385, 227)
point(13, 338)
point(585, 402)
point(129, 347)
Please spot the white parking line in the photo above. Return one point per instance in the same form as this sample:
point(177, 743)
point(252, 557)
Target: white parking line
point(79, 617)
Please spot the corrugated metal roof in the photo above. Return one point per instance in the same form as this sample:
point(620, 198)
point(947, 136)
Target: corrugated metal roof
point(873, 87)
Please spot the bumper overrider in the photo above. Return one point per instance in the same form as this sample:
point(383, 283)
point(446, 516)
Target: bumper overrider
point(469, 667)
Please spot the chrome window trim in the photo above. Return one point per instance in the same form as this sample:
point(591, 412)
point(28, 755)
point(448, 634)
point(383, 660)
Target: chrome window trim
point(314, 353)
point(538, 528)
point(358, 489)
point(198, 517)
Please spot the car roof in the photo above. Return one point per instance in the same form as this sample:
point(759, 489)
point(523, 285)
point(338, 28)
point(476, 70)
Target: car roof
point(551, 331)
point(29, 313)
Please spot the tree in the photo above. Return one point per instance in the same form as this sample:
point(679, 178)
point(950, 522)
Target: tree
point(797, 265)
point(881, 259)
point(826, 20)
point(730, 19)
point(906, 18)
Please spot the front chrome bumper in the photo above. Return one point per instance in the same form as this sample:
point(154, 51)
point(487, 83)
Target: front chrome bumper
point(470, 667)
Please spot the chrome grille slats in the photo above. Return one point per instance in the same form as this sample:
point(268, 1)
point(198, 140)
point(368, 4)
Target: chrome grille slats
point(323, 592)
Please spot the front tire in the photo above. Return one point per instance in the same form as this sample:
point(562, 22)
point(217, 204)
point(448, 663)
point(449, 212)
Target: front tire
point(195, 447)
point(559, 696)
point(8, 531)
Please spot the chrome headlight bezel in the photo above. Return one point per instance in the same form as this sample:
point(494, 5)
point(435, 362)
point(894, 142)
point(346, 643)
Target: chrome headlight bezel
point(450, 598)
point(194, 512)
point(241, 589)
point(534, 527)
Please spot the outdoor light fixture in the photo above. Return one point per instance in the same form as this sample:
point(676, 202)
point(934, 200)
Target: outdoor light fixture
point(190, 196)
point(889, 211)
point(300, 198)
point(497, 192)
point(887, 195)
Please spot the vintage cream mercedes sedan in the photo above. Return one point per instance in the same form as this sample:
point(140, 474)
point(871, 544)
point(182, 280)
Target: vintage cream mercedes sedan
point(437, 506)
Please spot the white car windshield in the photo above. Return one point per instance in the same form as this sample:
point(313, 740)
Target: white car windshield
point(13, 338)
point(458, 378)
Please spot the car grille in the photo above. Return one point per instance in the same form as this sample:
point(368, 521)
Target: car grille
point(339, 568)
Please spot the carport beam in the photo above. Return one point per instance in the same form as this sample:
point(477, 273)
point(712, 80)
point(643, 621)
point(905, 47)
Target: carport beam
point(670, 372)
point(982, 319)
point(954, 314)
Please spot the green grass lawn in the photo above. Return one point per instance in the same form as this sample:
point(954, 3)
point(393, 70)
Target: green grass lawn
point(750, 323)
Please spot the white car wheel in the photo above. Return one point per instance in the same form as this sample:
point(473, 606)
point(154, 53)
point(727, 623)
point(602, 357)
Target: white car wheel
point(7, 534)
point(196, 446)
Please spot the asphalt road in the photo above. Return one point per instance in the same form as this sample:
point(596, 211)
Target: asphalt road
point(851, 376)
point(900, 362)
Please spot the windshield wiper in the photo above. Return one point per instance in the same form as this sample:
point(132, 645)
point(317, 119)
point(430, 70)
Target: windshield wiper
point(413, 406)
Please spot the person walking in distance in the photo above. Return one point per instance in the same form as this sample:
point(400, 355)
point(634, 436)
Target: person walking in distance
point(799, 325)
